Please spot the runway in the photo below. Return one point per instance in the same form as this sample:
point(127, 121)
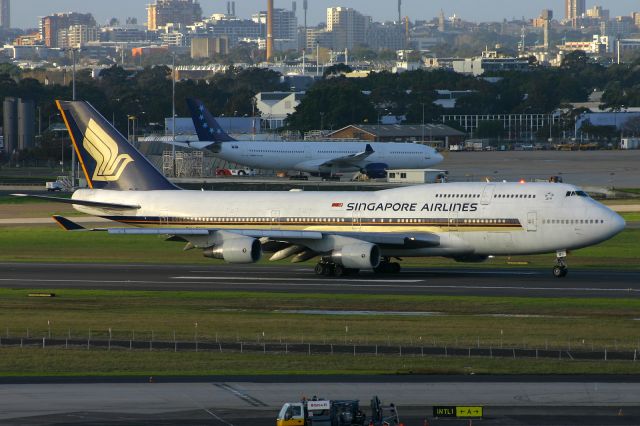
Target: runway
point(301, 279)
point(257, 402)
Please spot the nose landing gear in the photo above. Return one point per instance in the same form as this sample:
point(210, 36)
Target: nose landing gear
point(560, 270)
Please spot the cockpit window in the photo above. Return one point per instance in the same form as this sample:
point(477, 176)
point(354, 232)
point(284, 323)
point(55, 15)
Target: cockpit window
point(576, 193)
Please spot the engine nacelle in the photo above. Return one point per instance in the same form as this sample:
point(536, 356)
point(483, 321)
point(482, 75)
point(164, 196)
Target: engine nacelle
point(236, 250)
point(375, 170)
point(357, 256)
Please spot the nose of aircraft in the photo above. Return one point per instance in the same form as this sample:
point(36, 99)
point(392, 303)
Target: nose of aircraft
point(438, 157)
point(616, 223)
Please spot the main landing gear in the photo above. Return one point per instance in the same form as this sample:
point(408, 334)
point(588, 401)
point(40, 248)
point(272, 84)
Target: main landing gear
point(329, 268)
point(560, 270)
point(387, 267)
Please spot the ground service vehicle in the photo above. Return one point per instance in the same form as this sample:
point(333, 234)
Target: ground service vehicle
point(321, 413)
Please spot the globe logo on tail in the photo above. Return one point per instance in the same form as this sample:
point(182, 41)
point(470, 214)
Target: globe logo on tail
point(104, 150)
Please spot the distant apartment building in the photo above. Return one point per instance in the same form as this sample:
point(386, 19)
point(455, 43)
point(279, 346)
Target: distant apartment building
point(318, 37)
point(208, 47)
point(233, 28)
point(5, 14)
point(77, 36)
point(574, 9)
point(28, 39)
point(163, 12)
point(285, 23)
point(50, 26)
point(126, 34)
point(348, 27)
point(390, 36)
point(598, 12)
point(619, 27)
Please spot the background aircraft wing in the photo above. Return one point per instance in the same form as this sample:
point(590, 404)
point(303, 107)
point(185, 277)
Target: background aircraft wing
point(350, 159)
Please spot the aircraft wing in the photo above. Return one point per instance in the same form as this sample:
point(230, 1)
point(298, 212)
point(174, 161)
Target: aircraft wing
point(99, 204)
point(349, 159)
point(403, 240)
point(190, 144)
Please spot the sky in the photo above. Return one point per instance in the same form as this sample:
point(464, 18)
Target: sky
point(25, 13)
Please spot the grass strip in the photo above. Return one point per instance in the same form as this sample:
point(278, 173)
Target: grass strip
point(82, 362)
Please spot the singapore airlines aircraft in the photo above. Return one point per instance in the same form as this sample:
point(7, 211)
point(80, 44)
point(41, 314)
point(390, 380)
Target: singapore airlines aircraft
point(323, 158)
point(347, 231)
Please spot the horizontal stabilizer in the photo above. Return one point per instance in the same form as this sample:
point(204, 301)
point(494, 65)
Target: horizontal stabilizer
point(67, 224)
point(87, 203)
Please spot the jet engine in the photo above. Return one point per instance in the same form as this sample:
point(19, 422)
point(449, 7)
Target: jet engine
point(375, 170)
point(357, 256)
point(236, 250)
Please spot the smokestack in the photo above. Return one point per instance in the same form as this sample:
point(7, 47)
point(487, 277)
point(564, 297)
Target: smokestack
point(269, 30)
point(294, 7)
point(399, 11)
point(233, 8)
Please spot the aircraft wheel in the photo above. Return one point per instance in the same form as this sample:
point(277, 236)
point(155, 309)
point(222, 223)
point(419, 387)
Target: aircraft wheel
point(339, 271)
point(319, 269)
point(560, 271)
point(395, 267)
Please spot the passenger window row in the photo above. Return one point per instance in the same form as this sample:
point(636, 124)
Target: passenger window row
point(514, 196)
point(457, 195)
point(571, 221)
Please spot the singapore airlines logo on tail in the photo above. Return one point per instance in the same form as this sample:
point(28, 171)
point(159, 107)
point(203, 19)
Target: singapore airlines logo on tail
point(103, 149)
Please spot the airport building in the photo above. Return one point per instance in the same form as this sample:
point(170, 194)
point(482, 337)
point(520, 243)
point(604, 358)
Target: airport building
point(433, 134)
point(274, 107)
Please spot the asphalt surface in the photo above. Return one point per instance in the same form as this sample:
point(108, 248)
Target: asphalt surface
point(301, 279)
point(571, 402)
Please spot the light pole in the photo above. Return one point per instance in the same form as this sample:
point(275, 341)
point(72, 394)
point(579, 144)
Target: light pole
point(73, 98)
point(173, 115)
point(422, 121)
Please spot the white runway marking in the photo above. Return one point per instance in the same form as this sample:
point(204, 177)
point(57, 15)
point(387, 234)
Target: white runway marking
point(333, 283)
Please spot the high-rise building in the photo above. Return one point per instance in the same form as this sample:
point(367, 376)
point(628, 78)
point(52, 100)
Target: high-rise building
point(51, 25)
point(5, 14)
point(598, 12)
point(574, 9)
point(208, 47)
point(348, 27)
point(163, 12)
point(285, 23)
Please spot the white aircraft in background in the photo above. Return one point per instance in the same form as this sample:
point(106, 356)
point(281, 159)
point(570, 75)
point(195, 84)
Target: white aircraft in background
point(348, 231)
point(321, 158)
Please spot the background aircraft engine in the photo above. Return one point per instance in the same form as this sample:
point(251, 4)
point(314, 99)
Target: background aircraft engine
point(375, 170)
point(357, 256)
point(236, 250)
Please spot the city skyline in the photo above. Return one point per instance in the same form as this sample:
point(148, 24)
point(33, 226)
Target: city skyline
point(25, 13)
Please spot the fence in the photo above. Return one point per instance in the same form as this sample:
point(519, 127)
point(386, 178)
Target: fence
point(319, 348)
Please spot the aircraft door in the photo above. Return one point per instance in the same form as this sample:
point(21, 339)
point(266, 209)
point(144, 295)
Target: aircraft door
point(275, 219)
point(532, 221)
point(453, 221)
point(356, 222)
point(487, 194)
point(164, 218)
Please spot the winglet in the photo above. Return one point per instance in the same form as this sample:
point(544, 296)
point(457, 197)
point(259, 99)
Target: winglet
point(68, 225)
point(368, 149)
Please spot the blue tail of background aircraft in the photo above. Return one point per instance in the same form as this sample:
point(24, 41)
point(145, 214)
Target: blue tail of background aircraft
point(108, 160)
point(206, 125)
